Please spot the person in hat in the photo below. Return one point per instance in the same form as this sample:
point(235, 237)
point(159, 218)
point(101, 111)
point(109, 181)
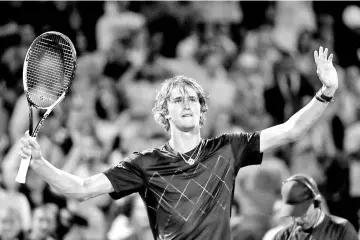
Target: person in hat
point(302, 199)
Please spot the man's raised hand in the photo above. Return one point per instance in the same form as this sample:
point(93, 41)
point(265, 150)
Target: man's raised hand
point(326, 71)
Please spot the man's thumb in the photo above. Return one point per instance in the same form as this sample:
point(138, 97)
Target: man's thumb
point(27, 133)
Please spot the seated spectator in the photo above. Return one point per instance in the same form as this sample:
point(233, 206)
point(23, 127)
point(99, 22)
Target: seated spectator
point(132, 224)
point(116, 20)
point(10, 224)
point(258, 188)
point(89, 223)
point(38, 192)
point(290, 87)
point(44, 223)
point(211, 29)
point(10, 197)
point(303, 199)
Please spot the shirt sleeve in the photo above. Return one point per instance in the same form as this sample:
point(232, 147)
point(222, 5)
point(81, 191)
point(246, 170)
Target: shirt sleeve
point(246, 149)
point(349, 232)
point(127, 177)
point(282, 234)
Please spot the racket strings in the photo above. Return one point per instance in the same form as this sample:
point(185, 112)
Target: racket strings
point(50, 69)
point(67, 55)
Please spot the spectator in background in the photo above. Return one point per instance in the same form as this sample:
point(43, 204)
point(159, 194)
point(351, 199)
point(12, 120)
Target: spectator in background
point(167, 18)
point(278, 222)
point(303, 55)
point(132, 224)
point(257, 189)
point(211, 30)
point(249, 87)
point(13, 57)
point(287, 94)
point(87, 222)
point(11, 62)
point(16, 200)
point(85, 159)
point(155, 64)
point(349, 95)
point(110, 105)
point(301, 194)
point(39, 193)
point(115, 21)
point(350, 17)
point(10, 197)
point(44, 223)
point(10, 224)
point(291, 19)
point(4, 118)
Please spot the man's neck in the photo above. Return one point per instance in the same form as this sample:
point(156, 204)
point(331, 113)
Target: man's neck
point(184, 141)
point(320, 218)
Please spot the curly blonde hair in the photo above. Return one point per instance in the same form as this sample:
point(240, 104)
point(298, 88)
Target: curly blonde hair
point(160, 109)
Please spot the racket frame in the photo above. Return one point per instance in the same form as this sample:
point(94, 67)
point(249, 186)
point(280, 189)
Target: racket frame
point(25, 163)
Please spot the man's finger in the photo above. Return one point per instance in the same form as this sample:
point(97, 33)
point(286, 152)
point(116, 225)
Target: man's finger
point(33, 142)
point(24, 156)
point(321, 51)
point(24, 142)
point(26, 150)
point(316, 56)
point(325, 53)
point(331, 58)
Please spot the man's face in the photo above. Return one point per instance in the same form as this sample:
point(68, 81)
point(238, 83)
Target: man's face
point(306, 219)
point(184, 109)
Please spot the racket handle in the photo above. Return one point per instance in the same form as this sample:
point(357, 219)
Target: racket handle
point(24, 166)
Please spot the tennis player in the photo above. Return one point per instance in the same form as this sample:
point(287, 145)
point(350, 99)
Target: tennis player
point(187, 184)
point(303, 200)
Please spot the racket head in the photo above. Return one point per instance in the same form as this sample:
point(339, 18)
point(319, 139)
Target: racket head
point(49, 69)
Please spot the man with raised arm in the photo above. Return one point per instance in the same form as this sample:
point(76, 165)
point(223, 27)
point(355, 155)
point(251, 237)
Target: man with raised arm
point(187, 184)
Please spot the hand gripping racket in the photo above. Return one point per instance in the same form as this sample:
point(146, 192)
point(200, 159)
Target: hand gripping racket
point(48, 71)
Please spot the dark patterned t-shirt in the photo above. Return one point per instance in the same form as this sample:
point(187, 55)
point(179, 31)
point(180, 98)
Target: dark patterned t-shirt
point(187, 201)
point(331, 228)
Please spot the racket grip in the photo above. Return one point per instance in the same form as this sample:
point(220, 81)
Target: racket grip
point(24, 166)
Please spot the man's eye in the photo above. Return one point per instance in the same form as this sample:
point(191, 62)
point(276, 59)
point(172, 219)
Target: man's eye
point(177, 100)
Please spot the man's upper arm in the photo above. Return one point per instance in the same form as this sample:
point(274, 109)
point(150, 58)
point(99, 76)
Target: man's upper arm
point(245, 148)
point(350, 232)
point(97, 185)
point(127, 177)
point(274, 136)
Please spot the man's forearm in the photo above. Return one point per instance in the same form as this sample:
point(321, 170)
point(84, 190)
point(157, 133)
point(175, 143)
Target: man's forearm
point(302, 120)
point(67, 184)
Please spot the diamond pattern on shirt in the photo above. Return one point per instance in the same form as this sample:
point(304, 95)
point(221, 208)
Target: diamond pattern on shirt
point(214, 180)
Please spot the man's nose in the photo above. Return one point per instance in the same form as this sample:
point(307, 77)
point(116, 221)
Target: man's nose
point(186, 104)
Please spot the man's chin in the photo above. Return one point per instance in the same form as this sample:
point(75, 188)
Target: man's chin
point(188, 128)
point(302, 223)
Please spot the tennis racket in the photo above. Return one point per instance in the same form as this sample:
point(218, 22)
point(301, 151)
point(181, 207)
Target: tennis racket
point(49, 69)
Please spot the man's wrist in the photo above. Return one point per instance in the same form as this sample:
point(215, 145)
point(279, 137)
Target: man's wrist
point(328, 91)
point(36, 161)
point(320, 96)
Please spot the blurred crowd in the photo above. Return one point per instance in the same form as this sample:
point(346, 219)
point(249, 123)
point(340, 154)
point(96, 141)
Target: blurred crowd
point(255, 61)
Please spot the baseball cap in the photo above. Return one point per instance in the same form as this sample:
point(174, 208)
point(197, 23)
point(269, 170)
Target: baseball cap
point(298, 193)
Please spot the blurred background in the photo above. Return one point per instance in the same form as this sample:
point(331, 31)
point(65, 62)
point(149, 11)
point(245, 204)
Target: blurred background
point(254, 59)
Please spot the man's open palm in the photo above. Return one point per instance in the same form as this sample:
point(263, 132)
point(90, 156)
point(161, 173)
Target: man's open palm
point(325, 68)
